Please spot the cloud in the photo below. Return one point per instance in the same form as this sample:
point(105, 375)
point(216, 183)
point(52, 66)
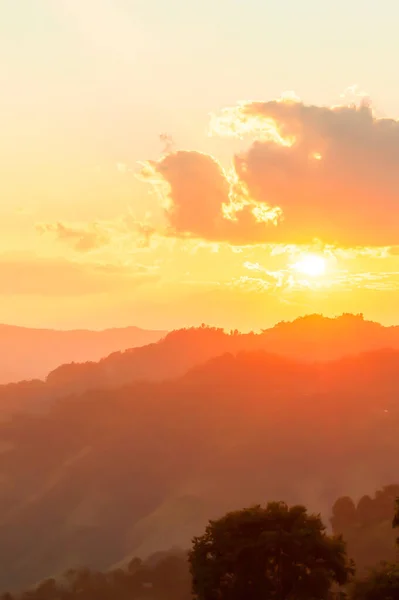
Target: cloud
point(335, 176)
point(353, 92)
point(310, 173)
point(285, 284)
point(167, 141)
point(288, 279)
point(87, 237)
point(82, 238)
point(24, 275)
point(202, 200)
point(145, 233)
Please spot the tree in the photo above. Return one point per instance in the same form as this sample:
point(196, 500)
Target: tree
point(171, 578)
point(343, 514)
point(272, 552)
point(381, 584)
point(368, 529)
point(395, 522)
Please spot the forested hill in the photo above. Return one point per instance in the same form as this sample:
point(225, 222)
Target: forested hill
point(309, 338)
point(140, 468)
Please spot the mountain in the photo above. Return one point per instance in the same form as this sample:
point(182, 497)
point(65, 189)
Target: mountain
point(33, 353)
point(308, 338)
point(110, 473)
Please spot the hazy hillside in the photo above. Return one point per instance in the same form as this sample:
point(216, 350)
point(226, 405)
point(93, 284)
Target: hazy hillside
point(309, 338)
point(32, 353)
point(141, 468)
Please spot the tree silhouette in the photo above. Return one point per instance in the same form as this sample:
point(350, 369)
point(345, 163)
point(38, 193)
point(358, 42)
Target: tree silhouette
point(272, 552)
point(395, 522)
point(367, 527)
point(381, 584)
point(343, 514)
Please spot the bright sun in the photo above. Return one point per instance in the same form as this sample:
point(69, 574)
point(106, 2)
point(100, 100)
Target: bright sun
point(311, 265)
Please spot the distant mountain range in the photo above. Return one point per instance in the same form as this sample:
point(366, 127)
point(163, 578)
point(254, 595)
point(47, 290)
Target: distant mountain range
point(310, 338)
point(107, 474)
point(33, 353)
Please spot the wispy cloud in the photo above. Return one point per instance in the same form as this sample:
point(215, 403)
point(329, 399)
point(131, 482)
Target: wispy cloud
point(289, 280)
point(88, 237)
point(39, 276)
point(83, 238)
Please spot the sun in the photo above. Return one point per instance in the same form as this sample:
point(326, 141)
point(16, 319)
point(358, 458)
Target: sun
point(311, 265)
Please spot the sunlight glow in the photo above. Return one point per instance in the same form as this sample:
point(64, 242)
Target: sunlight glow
point(311, 265)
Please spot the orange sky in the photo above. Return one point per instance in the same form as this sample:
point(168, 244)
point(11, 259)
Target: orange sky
point(105, 221)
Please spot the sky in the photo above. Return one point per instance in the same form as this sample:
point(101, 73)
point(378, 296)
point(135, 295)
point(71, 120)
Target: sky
point(169, 163)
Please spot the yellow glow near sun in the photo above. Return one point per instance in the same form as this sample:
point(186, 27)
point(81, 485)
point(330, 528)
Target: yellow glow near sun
point(311, 265)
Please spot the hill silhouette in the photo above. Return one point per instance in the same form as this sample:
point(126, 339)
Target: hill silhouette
point(33, 353)
point(310, 338)
point(112, 473)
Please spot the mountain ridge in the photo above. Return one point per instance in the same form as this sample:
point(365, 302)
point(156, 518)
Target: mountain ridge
point(309, 338)
point(31, 353)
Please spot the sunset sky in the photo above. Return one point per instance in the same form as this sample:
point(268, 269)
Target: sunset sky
point(166, 162)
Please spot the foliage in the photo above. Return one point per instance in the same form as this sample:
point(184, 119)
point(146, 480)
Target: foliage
point(381, 584)
point(276, 552)
point(395, 522)
point(367, 526)
point(272, 552)
point(167, 579)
